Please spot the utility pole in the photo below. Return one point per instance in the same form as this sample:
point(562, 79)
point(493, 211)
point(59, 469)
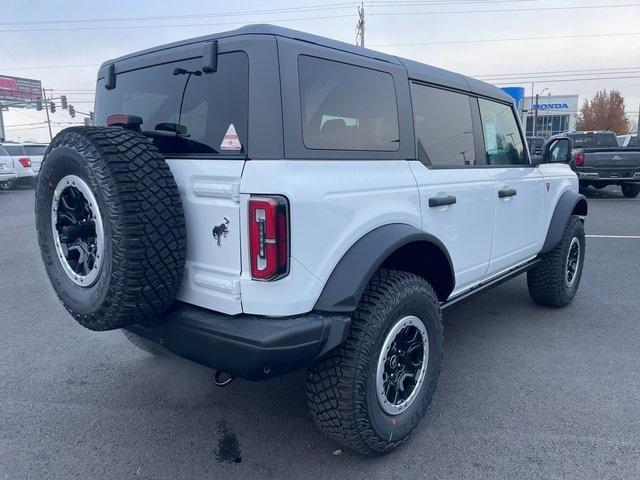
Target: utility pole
point(535, 117)
point(360, 25)
point(46, 109)
point(2, 135)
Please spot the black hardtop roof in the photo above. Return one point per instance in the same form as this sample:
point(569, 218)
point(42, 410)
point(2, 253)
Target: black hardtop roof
point(416, 70)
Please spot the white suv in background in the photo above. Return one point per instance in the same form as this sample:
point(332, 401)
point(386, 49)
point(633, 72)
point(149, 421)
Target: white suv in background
point(7, 171)
point(21, 162)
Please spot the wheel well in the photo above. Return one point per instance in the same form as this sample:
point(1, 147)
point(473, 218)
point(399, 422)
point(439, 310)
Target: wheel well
point(426, 260)
point(581, 208)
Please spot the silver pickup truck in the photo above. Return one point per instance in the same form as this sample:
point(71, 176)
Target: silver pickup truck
point(599, 161)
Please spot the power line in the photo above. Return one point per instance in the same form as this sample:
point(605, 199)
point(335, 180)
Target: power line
point(532, 9)
point(300, 9)
point(594, 70)
point(512, 39)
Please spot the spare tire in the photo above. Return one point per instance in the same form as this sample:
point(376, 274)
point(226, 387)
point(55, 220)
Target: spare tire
point(111, 226)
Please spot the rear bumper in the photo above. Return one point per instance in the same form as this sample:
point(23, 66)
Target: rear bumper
point(608, 177)
point(5, 177)
point(247, 346)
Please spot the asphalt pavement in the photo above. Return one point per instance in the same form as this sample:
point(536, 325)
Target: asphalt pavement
point(525, 391)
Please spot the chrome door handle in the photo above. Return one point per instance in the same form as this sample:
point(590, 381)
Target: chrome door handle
point(442, 201)
point(509, 192)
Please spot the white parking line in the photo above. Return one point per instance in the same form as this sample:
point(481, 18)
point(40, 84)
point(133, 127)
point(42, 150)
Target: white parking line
point(635, 237)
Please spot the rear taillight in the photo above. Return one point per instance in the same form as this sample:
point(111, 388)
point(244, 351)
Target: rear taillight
point(25, 162)
point(268, 237)
point(579, 158)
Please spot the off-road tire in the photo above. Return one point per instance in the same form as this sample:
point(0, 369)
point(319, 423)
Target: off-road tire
point(631, 190)
point(143, 222)
point(341, 390)
point(546, 281)
point(146, 345)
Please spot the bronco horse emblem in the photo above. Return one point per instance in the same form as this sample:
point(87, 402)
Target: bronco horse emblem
point(220, 231)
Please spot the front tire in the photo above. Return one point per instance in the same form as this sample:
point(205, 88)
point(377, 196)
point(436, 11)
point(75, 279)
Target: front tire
point(631, 190)
point(554, 281)
point(371, 392)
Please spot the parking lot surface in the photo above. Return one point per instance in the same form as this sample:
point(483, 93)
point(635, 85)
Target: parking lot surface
point(525, 391)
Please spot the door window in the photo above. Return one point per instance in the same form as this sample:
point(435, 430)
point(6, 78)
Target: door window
point(443, 127)
point(502, 140)
point(346, 107)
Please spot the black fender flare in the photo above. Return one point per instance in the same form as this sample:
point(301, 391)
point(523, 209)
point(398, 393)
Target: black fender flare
point(568, 202)
point(343, 289)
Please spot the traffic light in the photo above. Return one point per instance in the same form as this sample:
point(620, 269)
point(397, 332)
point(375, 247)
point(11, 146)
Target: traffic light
point(39, 105)
point(52, 107)
point(72, 111)
point(63, 102)
point(87, 122)
point(92, 116)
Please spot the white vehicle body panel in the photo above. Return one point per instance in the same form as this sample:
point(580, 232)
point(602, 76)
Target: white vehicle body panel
point(36, 159)
point(209, 190)
point(466, 227)
point(20, 170)
point(7, 169)
point(518, 232)
point(332, 205)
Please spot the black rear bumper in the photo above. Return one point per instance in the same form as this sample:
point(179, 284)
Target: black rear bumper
point(247, 346)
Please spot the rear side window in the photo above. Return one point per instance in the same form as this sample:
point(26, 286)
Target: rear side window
point(594, 140)
point(346, 107)
point(35, 149)
point(633, 142)
point(215, 105)
point(15, 150)
point(3, 152)
point(502, 141)
point(443, 126)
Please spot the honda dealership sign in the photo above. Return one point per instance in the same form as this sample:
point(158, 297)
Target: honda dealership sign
point(16, 89)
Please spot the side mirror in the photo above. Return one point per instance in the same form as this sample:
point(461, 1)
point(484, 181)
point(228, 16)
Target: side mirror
point(557, 150)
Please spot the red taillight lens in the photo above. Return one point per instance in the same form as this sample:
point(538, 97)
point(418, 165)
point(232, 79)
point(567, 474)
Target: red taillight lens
point(268, 237)
point(25, 161)
point(579, 158)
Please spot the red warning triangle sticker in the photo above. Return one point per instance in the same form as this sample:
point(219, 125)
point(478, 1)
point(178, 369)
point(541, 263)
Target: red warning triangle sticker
point(231, 142)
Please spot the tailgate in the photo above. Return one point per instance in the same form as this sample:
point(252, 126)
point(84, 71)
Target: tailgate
point(209, 190)
point(612, 159)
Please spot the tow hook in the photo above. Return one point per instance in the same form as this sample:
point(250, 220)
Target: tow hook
point(222, 379)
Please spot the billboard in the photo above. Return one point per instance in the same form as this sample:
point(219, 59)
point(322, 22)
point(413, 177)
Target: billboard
point(16, 89)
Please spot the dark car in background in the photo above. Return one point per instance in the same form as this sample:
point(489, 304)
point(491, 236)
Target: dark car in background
point(599, 161)
point(535, 145)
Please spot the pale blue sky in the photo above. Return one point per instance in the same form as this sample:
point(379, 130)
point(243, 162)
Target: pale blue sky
point(391, 27)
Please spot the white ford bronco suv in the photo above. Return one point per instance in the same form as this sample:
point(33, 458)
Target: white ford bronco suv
point(264, 200)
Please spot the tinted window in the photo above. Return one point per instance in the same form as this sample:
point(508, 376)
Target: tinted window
point(345, 107)
point(594, 140)
point(3, 152)
point(633, 142)
point(502, 140)
point(14, 150)
point(35, 149)
point(443, 127)
point(212, 103)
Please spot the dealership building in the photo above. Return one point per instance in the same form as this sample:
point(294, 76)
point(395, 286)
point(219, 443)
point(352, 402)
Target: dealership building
point(556, 113)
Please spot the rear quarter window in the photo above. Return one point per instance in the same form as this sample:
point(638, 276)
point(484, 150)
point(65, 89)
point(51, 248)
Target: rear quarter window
point(15, 150)
point(347, 107)
point(184, 110)
point(35, 149)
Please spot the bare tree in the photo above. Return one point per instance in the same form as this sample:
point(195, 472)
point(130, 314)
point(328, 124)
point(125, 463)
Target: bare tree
point(605, 111)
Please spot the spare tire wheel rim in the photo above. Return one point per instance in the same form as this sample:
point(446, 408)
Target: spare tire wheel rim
point(78, 233)
point(402, 365)
point(573, 262)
